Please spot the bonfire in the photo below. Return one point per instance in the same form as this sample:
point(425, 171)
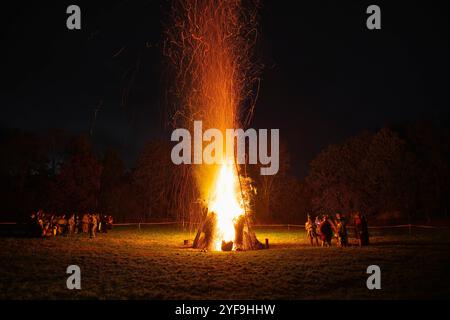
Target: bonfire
point(226, 225)
point(210, 44)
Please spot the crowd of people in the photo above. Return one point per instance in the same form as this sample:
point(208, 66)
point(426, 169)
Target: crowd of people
point(45, 224)
point(324, 228)
point(320, 231)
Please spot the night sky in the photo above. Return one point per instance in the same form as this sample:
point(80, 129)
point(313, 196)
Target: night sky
point(326, 76)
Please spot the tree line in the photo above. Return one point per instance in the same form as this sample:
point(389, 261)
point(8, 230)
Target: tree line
point(394, 174)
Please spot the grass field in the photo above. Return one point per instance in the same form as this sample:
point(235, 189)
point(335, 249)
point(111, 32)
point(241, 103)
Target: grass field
point(153, 264)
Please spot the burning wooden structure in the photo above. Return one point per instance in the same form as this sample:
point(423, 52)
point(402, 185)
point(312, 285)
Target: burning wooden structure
point(226, 223)
point(210, 47)
point(245, 238)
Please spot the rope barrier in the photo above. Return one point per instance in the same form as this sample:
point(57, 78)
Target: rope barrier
point(142, 223)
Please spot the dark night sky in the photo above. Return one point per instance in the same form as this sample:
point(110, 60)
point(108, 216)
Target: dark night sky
point(326, 76)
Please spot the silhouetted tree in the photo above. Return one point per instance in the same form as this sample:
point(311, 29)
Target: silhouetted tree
point(77, 187)
point(112, 183)
point(430, 143)
point(280, 197)
point(23, 173)
point(152, 180)
point(372, 173)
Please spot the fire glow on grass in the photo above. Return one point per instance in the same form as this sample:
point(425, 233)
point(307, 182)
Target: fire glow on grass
point(227, 204)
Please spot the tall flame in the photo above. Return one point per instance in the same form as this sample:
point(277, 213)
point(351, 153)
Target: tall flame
point(227, 204)
point(210, 45)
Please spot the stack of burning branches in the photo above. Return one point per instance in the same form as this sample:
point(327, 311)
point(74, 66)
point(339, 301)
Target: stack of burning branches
point(210, 47)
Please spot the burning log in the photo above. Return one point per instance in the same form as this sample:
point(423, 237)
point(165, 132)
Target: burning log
point(227, 246)
point(245, 238)
point(205, 234)
point(226, 224)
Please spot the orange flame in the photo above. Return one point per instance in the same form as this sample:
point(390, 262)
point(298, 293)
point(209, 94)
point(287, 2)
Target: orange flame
point(210, 45)
point(226, 203)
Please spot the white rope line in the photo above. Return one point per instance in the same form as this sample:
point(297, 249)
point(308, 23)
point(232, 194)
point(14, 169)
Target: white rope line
point(142, 223)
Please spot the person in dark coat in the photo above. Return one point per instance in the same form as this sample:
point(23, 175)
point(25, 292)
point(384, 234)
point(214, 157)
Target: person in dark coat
point(361, 229)
point(326, 232)
point(34, 229)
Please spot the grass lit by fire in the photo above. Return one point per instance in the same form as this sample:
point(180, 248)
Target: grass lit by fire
point(153, 264)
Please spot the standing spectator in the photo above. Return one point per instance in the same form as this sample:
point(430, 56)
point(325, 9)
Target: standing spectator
point(326, 232)
point(317, 222)
point(85, 223)
point(341, 231)
point(99, 223)
point(361, 229)
point(34, 229)
point(310, 228)
point(61, 225)
point(72, 224)
point(78, 224)
point(92, 225)
point(104, 223)
point(109, 222)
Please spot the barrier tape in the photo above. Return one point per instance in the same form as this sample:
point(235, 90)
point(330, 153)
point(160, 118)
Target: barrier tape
point(143, 223)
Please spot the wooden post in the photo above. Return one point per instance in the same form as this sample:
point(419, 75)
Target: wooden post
point(267, 243)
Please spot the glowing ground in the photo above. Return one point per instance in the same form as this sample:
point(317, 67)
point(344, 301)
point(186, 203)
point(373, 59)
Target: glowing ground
point(152, 264)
